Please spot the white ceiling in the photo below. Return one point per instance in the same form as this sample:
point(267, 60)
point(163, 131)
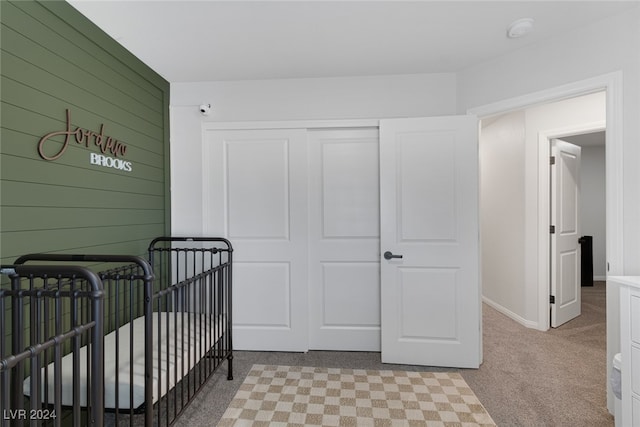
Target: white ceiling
point(594, 139)
point(209, 40)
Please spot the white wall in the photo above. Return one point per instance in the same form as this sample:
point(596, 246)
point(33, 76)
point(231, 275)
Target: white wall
point(321, 98)
point(502, 201)
point(294, 99)
point(593, 211)
point(610, 45)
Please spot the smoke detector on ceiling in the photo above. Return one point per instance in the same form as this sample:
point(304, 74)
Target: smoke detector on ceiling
point(519, 28)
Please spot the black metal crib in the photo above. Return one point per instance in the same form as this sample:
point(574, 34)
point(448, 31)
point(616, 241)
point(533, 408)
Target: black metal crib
point(137, 349)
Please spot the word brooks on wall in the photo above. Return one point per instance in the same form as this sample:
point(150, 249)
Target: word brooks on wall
point(107, 145)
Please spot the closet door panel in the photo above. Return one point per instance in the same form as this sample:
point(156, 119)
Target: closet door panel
point(258, 189)
point(350, 194)
point(344, 228)
point(350, 294)
point(255, 194)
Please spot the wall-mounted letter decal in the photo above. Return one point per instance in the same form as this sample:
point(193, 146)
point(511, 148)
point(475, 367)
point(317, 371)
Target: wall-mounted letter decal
point(84, 137)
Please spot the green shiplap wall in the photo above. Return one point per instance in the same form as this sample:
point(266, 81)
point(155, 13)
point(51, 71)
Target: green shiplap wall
point(53, 59)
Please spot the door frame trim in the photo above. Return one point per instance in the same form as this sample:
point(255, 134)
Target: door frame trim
point(612, 83)
point(293, 124)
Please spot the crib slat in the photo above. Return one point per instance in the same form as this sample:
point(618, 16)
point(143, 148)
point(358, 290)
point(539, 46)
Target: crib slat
point(17, 345)
point(39, 377)
point(75, 345)
point(131, 341)
point(148, 357)
point(97, 366)
point(57, 378)
point(4, 375)
point(115, 285)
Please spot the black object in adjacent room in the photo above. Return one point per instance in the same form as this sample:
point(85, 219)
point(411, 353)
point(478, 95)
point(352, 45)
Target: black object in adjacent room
point(586, 260)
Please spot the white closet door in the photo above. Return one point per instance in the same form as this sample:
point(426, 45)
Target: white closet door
point(255, 194)
point(344, 229)
point(429, 217)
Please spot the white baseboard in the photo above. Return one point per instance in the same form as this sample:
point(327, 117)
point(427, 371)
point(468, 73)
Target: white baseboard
point(600, 278)
point(524, 322)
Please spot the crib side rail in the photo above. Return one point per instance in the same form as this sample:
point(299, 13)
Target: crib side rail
point(159, 242)
point(32, 307)
point(128, 286)
point(194, 274)
point(85, 258)
point(177, 258)
point(194, 291)
point(126, 278)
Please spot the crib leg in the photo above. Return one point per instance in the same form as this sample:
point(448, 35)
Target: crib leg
point(230, 366)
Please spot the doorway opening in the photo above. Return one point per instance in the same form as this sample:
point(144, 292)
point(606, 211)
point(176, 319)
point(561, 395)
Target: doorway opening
point(535, 309)
point(515, 200)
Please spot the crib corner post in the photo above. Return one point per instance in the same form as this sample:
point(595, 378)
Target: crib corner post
point(230, 309)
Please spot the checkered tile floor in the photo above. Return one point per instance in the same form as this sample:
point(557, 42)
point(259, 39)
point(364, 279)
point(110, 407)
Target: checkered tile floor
point(302, 396)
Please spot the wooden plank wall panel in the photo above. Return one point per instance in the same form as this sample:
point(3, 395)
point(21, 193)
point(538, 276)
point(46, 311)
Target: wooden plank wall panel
point(54, 60)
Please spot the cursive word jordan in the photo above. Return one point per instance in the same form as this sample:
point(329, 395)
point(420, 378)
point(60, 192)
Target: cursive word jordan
point(85, 137)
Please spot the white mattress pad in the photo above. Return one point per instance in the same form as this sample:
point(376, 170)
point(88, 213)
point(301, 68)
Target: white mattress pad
point(185, 339)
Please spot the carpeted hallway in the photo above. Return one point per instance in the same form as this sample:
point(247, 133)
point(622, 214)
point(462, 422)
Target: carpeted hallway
point(528, 378)
point(553, 378)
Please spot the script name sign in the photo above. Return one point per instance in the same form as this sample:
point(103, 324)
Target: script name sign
point(107, 145)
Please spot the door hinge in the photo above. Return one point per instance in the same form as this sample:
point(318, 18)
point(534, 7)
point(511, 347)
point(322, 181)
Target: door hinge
point(552, 229)
point(552, 299)
point(553, 160)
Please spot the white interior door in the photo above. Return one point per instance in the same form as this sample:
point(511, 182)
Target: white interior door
point(255, 194)
point(565, 219)
point(430, 298)
point(344, 240)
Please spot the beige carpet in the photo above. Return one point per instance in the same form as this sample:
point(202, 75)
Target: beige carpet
point(293, 395)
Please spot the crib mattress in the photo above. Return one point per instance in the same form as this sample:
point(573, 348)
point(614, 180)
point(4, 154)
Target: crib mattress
point(185, 350)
